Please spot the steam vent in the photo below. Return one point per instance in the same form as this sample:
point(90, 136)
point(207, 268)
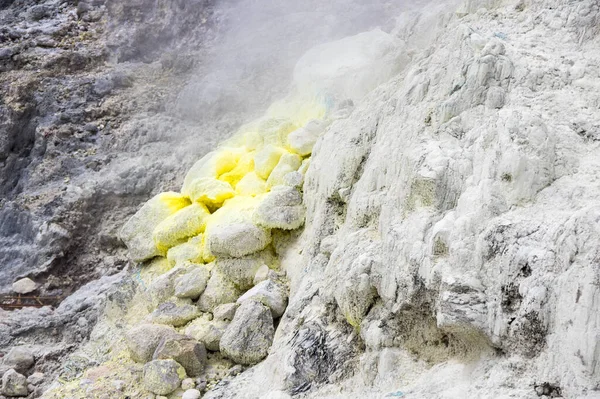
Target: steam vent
point(299, 199)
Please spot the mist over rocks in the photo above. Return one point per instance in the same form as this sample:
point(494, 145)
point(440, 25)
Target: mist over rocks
point(440, 241)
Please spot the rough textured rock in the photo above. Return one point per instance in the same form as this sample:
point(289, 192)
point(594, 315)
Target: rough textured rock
point(189, 353)
point(143, 340)
point(249, 336)
point(174, 314)
point(225, 312)
point(281, 209)
point(18, 358)
point(241, 271)
point(24, 286)
point(14, 384)
point(163, 376)
point(208, 332)
point(270, 294)
point(219, 290)
point(444, 226)
point(459, 196)
point(191, 394)
point(237, 240)
point(192, 283)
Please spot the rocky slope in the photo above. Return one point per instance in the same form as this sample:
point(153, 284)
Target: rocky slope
point(451, 233)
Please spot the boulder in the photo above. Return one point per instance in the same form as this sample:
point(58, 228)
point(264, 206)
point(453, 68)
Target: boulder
point(191, 394)
point(219, 290)
point(302, 141)
point(287, 163)
point(19, 358)
point(249, 336)
point(208, 332)
point(24, 286)
point(36, 378)
point(210, 191)
point(191, 251)
point(188, 383)
point(270, 294)
point(225, 312)
point(190, 353)
point(294, 179)
point(251, 185)
point(183, 224)
point(192, 284)
point(137, 232)
point(163, 376)
point(163, 287)
point(174, 314)
point(281, 209)
point(266, 160)
point(241, 271)
point(143, 340)
point(237, 239)
point(211, 165)
point(14, 384)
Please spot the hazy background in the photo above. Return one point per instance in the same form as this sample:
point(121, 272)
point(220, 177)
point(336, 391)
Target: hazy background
point(252, 63)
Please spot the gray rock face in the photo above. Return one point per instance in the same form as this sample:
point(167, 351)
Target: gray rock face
point(189, 353)
point(270, 294)
point(249, 336)
point(19, 358)
point(143, 340)
point(163, 376)
point(14, 384)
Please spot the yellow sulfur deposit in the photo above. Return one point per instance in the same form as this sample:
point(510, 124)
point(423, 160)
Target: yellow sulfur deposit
point(251, 185)
point(287, 163)
point(214, 216)
point(191, 251)
point(212, 165)
point(244, 166)
point(186, 222)
point(266, 159)
point(137, 232)
point(210, 191)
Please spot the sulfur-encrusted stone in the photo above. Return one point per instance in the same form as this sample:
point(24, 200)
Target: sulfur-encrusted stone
point(219, 290)
point(177, 228)
point(143, 340)
point(163, 376)
point(192, 284)
point(249, 336)
point(174, 314)
point(137, 232)
point(237, 239)
point(282, 209)
point(270, 294)
point(188, 352)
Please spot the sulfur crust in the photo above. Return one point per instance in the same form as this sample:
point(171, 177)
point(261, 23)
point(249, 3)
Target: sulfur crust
point(224, 188)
